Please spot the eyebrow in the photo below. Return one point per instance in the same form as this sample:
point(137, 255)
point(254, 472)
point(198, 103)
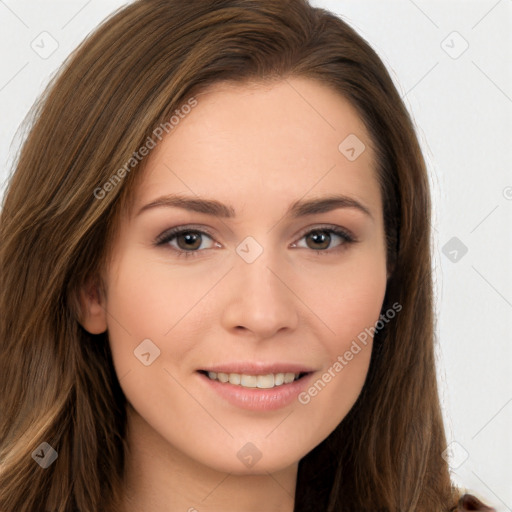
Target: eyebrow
point(300, 208)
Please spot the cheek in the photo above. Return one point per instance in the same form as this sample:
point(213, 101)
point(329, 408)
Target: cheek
point(349, 306)
point(347, 298)
point(151, 297)
point(144, 303)
point(348, 301)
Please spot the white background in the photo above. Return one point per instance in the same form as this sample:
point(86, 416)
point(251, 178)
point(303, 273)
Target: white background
point(461, 101)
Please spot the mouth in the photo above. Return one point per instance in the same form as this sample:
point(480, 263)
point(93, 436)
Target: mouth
point(261, 381)
point(257, 386)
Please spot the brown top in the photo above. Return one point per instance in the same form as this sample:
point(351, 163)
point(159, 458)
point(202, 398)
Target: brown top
point(469, 502)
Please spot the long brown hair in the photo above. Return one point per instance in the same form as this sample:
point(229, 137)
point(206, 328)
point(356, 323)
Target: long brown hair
point(58, 384)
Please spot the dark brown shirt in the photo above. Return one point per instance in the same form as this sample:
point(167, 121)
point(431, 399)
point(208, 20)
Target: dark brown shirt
point(469, 502)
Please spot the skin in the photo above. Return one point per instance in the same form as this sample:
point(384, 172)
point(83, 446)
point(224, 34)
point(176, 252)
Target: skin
point(258, 148)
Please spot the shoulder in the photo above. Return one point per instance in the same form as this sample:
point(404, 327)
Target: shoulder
point(469, 502)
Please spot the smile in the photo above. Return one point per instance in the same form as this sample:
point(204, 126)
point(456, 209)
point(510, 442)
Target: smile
point(267, 381)
point(258, 390)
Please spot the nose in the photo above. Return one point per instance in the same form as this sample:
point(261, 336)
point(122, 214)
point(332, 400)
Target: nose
point(260, 301)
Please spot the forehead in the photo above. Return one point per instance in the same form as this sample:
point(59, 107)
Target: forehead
point(284, 139)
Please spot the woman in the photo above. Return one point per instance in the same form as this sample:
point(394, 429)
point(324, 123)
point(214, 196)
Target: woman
point(216, 275)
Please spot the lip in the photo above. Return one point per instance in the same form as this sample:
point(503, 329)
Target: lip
point(258, 399)
point(258, 368)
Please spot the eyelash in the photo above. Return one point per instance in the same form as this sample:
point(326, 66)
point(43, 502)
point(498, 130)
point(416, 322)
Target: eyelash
point(169, 235)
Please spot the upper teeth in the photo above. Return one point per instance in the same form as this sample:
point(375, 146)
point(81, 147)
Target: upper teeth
point(255, 381)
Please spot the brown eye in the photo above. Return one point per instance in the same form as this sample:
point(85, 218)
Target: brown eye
point(319, 239)
point(186, 242)
point(324, 240)
point(189, 240)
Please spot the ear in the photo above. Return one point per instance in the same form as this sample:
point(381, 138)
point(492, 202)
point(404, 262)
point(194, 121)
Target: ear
point(390, 269)
point(93, 308)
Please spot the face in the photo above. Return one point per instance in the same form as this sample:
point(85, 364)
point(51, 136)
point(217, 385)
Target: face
point(261, 285)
